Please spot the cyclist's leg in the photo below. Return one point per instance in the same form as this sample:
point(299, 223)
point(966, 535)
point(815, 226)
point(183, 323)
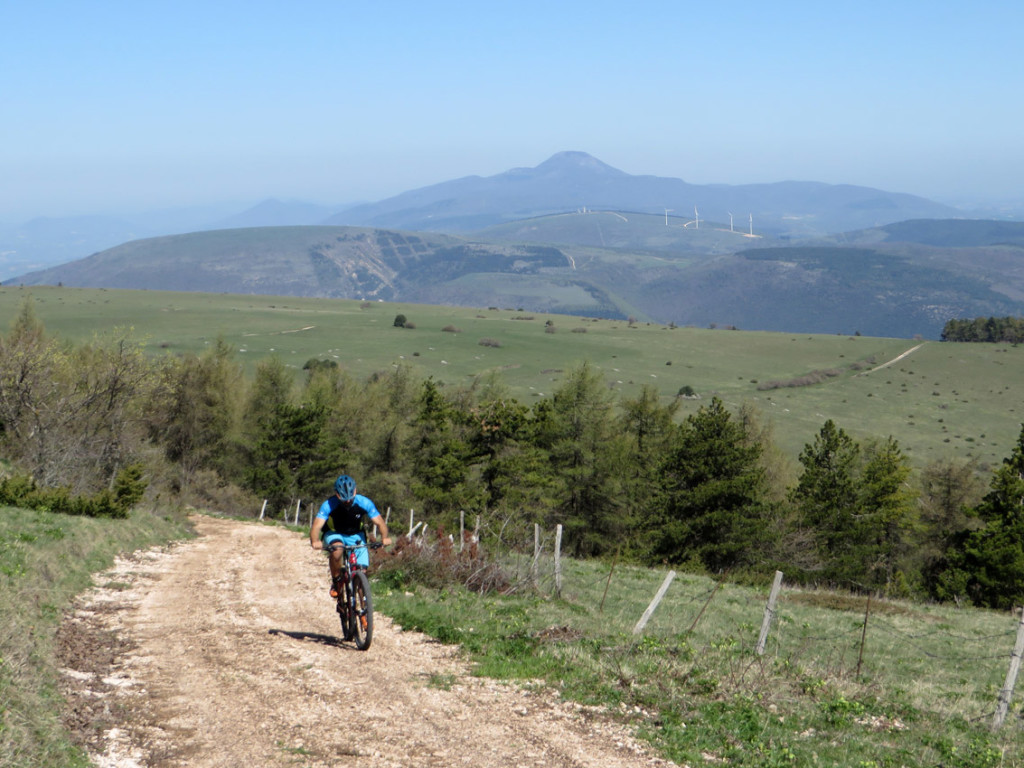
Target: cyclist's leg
point(337, 555)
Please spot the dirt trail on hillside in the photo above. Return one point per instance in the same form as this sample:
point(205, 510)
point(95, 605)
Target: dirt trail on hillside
point(226, 651)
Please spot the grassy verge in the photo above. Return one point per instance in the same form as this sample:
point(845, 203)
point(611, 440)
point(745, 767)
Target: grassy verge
point(45, 559)
point(922, 693)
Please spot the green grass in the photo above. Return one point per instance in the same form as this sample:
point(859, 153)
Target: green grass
point(45, 559)
point(942, 401)
point(694, 686)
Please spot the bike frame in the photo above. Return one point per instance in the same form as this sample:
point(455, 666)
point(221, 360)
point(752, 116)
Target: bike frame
point(347, 602)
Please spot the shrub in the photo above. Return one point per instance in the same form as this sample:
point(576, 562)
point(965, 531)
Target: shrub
point(489, 343)
point(451, 329)
point(579, 330)
point(437, 563)
point(400, 321)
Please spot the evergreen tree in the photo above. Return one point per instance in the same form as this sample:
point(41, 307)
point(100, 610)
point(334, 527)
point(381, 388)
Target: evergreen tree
point(713, 489)
point(884, 523)
point(580, 433)
point(987, 565)
point(194, 422)
point(442, 456)
point(648, 428)
point(825, 499)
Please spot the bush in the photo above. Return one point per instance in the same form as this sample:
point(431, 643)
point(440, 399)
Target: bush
point(437, 563)
point(451, 329)
point(489, 343)
point(22, 491)
point(400, 321)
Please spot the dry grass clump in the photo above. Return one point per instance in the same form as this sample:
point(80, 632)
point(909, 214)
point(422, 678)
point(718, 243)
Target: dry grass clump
point(808, 379)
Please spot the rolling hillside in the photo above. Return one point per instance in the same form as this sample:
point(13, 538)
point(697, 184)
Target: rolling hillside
point(602, 264)
point(939, 399)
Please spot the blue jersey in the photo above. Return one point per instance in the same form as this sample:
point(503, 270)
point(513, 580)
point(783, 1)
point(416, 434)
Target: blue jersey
point(345, 517)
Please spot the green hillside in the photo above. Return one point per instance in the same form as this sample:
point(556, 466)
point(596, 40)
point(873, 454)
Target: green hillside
point(941, 400)
point(600, 264)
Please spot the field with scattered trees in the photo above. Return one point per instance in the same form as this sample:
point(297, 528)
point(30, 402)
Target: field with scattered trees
point(652, 446)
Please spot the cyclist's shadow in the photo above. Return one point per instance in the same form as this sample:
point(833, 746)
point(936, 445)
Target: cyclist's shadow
point(316, 637)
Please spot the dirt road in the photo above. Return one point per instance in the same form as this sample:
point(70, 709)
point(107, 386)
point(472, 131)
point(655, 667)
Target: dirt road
point(226, 651)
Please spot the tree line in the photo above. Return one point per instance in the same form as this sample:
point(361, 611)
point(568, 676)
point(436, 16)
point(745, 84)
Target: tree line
point(623, 476)
point(991, 329)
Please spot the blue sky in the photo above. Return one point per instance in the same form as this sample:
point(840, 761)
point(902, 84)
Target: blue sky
point(111, 106)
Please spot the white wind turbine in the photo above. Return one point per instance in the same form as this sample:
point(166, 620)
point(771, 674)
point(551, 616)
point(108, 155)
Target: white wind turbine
point(667, 212)
point(696, 218)
point(730, 222)
point(751, 225)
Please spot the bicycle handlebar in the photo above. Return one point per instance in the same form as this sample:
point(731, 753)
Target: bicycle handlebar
point(367, 545)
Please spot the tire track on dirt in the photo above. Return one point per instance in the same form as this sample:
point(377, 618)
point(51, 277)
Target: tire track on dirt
point(230, 655)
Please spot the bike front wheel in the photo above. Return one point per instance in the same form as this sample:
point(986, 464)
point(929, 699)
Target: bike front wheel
point(361, 625)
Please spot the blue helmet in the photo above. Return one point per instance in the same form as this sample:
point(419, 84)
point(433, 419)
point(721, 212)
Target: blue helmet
point(345, 487)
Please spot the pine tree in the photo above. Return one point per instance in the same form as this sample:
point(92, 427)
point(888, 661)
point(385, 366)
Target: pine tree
point(884, 521)
point(825, 498)
point(713, 492)
point(988, 566)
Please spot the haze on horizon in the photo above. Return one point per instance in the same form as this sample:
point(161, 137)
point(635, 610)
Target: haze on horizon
point(125, 107)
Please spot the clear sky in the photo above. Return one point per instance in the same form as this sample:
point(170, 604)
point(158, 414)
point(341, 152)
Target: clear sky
point(108, 106)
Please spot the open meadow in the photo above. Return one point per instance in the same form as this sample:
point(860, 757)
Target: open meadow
point(939, 400)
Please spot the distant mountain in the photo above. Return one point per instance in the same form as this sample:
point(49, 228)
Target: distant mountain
point(275, 213)
point(599, 264)
point(959, 233)
point(570, 181)
point(43, 242)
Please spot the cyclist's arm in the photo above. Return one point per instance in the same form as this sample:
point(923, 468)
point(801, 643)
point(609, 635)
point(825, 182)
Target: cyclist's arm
point(314, 533)
point(382, 527)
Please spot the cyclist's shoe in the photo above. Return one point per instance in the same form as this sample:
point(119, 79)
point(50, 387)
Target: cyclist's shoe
point(335, 588)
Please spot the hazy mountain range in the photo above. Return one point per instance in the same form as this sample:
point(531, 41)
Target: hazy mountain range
point(568, 181)
point(576, 236)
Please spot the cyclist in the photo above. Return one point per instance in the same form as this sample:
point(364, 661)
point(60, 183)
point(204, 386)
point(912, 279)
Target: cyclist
point(340, 521)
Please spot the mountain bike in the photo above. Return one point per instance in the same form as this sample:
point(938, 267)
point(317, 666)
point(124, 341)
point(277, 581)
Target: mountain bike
point(355, 603)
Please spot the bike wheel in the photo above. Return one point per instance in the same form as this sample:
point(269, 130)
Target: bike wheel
point(343, 614)
point(362, 620)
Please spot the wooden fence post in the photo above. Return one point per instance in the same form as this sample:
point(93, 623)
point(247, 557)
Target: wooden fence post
point(462, 529)
point(1011, 677)
point(769, 613)
point(558, 560)
point(864, 634)
point(536, 554)
point(654, 604)
point(298, 506)
point(410, 523)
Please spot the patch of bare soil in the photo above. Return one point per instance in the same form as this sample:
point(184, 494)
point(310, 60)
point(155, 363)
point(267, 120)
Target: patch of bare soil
point(227, 651)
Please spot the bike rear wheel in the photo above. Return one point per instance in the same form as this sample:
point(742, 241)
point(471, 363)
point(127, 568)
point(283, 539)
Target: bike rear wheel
point(362, 619)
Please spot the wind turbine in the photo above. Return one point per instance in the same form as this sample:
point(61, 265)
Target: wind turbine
point(667, 211)
point(751, 225)
point(696, 218)
point(730, 222)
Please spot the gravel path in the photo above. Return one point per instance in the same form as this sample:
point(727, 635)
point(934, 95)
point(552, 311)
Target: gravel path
point(226, 651)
